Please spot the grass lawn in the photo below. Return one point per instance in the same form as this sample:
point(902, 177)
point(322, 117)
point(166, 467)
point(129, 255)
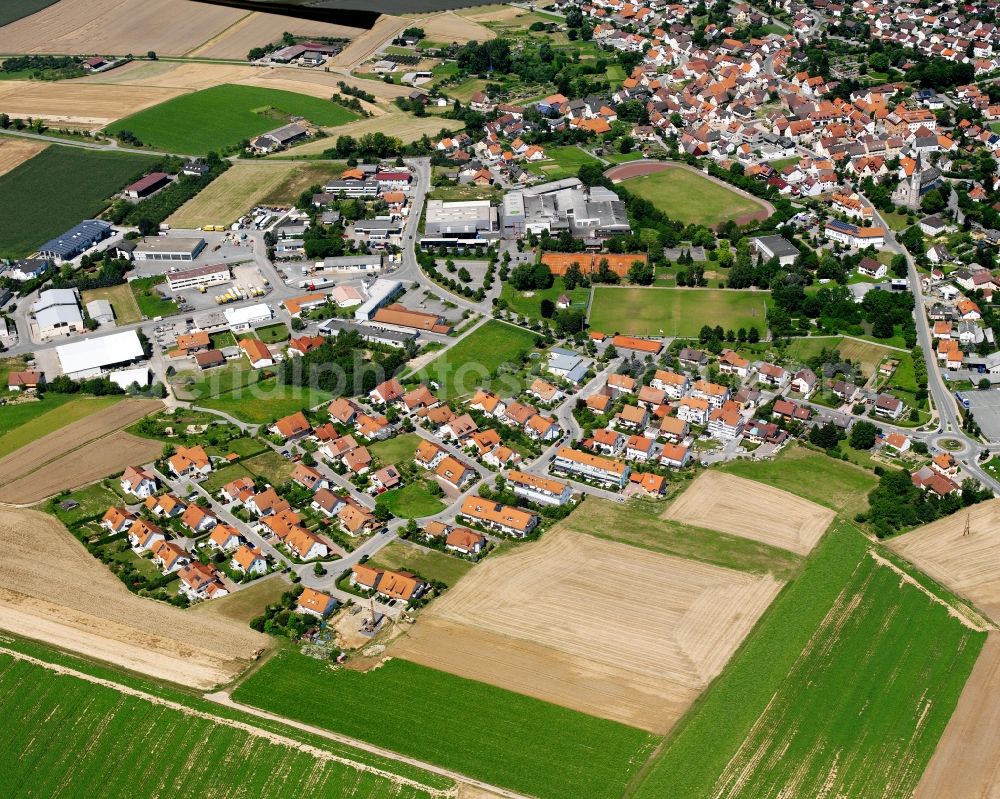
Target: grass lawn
point(538, 748)
point(83, 180)
point(122, 302)
point(270, 466)
point(865, 354)
point(396, 450)
point(639, 523)
point(245, 604)
point(412, 501)
point(842, 689)
point(781, 163)
point(60, 717)
point(896, 221)
point(272, 334)
point(477, 358)
point(427, 563)
point(266, 401)
point(813, 476)
point(93, 500)
point(467, 191)
point(151, 303)
point(219, 117)
point(219, 477)
point(676, 312)
point(562, 162)
point(464, 90)
point(691, 198)
point(23, 423)
point(615, 74)
point(622, 158)
point(215, 382)
point(223, 339)
point(529, 303)
point(245, 447)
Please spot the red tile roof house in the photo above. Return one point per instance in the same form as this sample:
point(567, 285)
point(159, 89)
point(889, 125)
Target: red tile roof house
point(169, 557)
point(198, 519)
point(465, 541)
point(117, 520)
point(386, 479)
point(138, 482)
point(291, 428)
point(165, 506)
point(225, 538)
point(327, 502)
point(266, 503)
point(142, 536)
point(27, 381)
point(249, 560)
point(201, 581)
point(309, 478)
point(239, 490)
point(386, 393)
point(190, 462)
point(315, 603)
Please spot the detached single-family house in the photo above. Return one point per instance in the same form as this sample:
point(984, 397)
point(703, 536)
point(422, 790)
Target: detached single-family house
point(139, 482)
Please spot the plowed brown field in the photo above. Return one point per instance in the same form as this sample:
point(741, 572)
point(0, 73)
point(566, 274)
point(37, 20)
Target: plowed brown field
point(752, 510)
point(52, 590)
point(601, 627)
point(77, 455)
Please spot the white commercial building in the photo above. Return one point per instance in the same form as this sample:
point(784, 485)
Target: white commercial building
point(248, 317)
point(126, 377)
point(381, 293)
point(463, 219)
point(165, 248)
point(198, 276)
point(90, 357)
point(57, 312)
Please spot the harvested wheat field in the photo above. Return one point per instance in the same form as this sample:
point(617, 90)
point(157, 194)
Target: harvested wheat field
point(967, 564)
point(14, 152)
point(78, 103)
point(494, 13)
point(752, 510)
point(232, 194)
point(52, 590)
point(450, 27)
point(171, 75)
point(401, 126)
point(321, 84)
point(385, 28)
point(257, 30)
point(966, 762)
point(169, 27)
point(597, 626)
point(85, 451)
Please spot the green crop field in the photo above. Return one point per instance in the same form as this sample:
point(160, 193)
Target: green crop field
point(692, 198)
point(813, 476)
point(427, 563)
point(82, 180)
point(412, 501)
point(74, 738)
point(640, 524)
point(23, 423)
point(676, 312)
point(477, 358)
point(11, 10)
point(529, 303)
point(222, 116)
point(561, 162)
point(484, 732)
point(843, 689)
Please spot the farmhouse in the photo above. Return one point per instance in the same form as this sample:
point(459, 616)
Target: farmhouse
point(278, 139)
point(604, 471)
point(165, 248)
point(502, 518)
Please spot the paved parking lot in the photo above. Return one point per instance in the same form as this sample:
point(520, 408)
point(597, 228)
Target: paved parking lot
point(985, 407)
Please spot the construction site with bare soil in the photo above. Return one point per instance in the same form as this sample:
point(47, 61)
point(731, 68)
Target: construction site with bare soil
point(597, 626)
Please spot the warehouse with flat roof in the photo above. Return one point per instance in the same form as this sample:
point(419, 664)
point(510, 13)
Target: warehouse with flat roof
point(460, 219)
point(92, 356)
point(198, 276)
point(166, 248)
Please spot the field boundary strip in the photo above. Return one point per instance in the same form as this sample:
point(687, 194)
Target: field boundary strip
point(249, 729)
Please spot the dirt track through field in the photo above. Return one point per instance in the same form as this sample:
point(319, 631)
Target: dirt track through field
point(53, 590)
point(601, 627)
point(14, 152)
point(82, 453)
point(638, 169)
point(966, 762)
point(967, 564)
point(752, 510)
